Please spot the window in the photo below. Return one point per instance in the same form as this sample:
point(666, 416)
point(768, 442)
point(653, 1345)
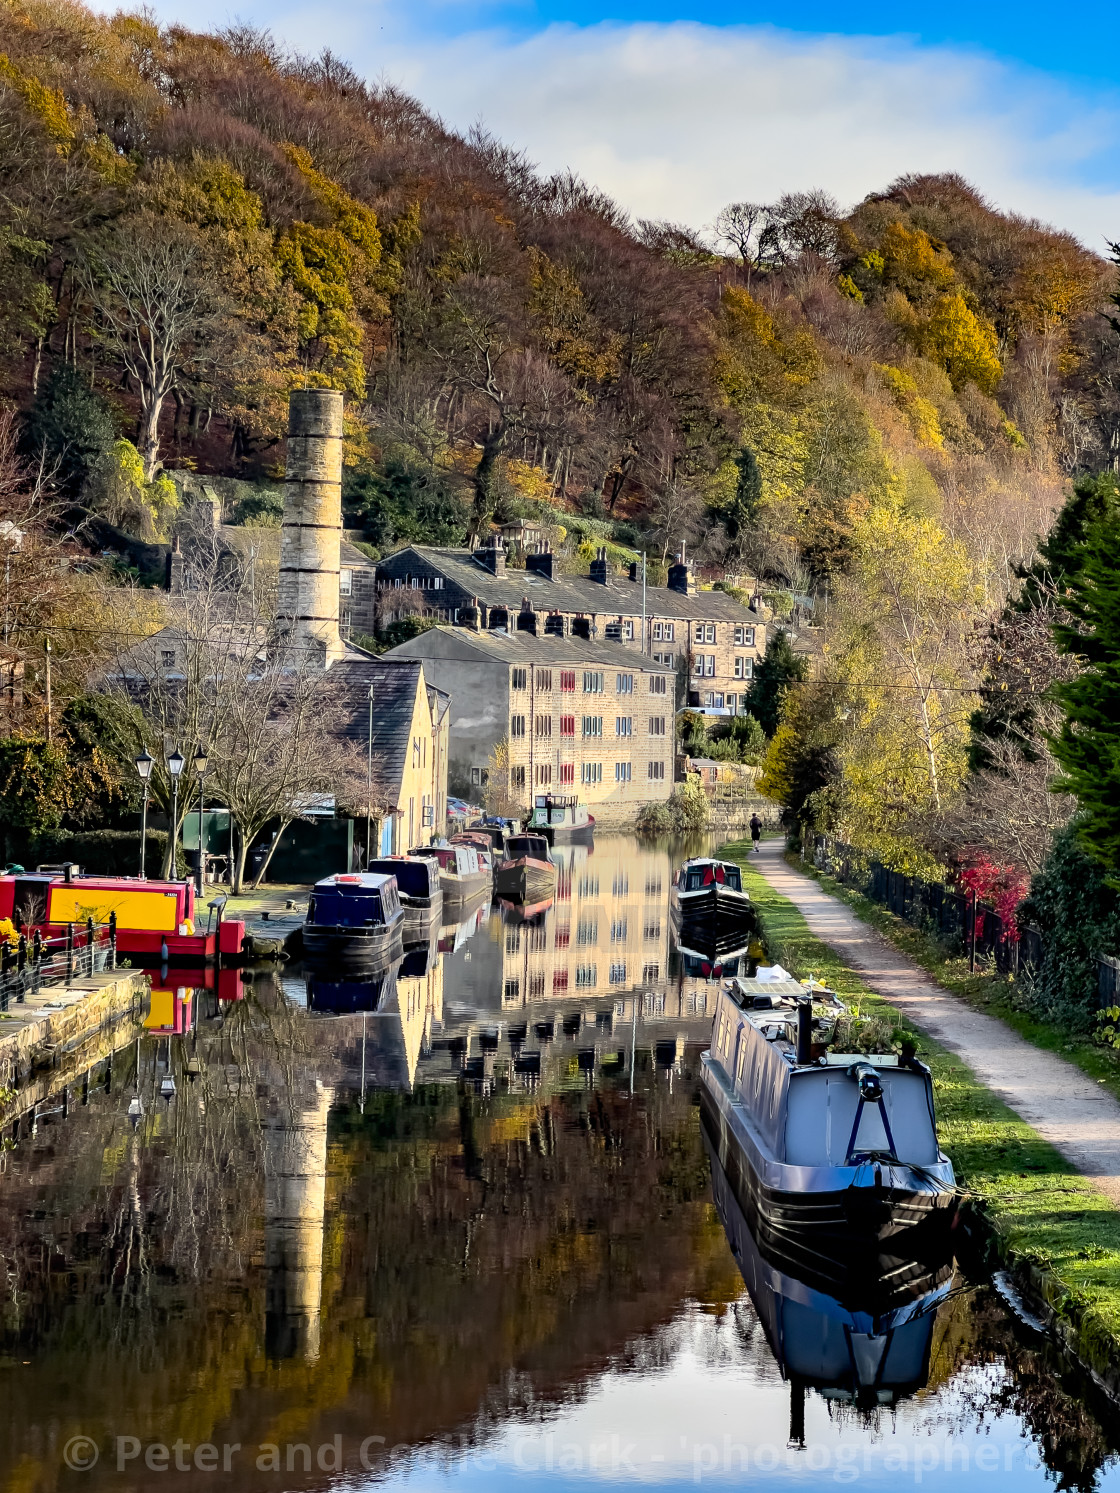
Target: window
point(589, 886)
point(744, 637)
point(520, 678)
point(587, 931)
point(744, 667)
point(567, 679)
point(593, 725)
point(732, 702)
point(512, 992)
point(618, 974)
point(586, 975)
point(628, 632)
point(345, 582)
point(536, 987)
point(621, 884)
point(663, 632)
point(544, 725)
point(560, 980)
point(513, 938)
point(652, 930)
point(622, 772)
point(651, 973)
point(625, 684)
point(591, 772)
point(657, 725)
point(567, 772)
point(480, 776)
point(714, 700)
point(563, 936)
point(517, 777)
point(705, 632)
point(667, 659)
point(704, 664)
point(624, 725)
point(517, 725)
point(657, 772)
point(593, 681)
point(567, 725)
point(543, 774)
point(620, 930)
point(658, 684)
point(167, 657)
point(544, 680)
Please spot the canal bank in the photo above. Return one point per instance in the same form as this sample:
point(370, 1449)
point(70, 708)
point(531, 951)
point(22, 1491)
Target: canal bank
point(1032, 1211)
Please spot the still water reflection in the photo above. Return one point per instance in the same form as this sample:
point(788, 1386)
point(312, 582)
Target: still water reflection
point(456, 1226)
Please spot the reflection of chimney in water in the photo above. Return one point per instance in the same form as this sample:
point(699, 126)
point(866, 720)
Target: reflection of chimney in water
point(311, 535)
point(295, 1155)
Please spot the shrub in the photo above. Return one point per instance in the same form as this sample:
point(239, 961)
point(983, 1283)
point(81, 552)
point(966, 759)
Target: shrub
point(102, 852)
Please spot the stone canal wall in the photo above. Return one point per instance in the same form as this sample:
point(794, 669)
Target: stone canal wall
point(48, 1028)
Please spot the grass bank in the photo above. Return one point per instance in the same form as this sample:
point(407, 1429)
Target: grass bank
point(987, 990)
point(1049, 1224)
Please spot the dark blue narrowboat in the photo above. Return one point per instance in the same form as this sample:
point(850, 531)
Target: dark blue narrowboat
point(353, 918)
point(418, 888)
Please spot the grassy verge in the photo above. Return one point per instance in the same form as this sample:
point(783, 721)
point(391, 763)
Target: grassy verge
point(987, 990)
point(1043, 1214)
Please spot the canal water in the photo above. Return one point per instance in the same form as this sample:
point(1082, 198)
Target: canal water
point(456, 1228)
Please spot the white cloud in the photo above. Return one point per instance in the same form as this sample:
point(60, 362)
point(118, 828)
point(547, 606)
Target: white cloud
point(673, 120)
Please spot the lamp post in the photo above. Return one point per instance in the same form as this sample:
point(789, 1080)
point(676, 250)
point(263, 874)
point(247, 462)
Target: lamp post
point(175, 767)
point(369, 778)
point(200, 761)
point(144, 765)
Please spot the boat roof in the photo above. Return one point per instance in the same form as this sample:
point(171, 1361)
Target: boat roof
point(355, 881)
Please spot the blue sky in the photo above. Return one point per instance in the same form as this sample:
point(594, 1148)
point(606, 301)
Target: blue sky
point(678, 106)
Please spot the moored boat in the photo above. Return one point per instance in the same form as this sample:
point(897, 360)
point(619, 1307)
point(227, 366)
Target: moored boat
point(838, 1151)
point(527, 874)
point(711, 892)
point(353, 918)
point(561, 818)
point(418, 888)
point(464, 871)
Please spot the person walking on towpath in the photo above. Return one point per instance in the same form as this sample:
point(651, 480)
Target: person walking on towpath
point(756, 831)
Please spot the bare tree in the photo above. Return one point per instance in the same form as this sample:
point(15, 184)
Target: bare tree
point(741, 224)
point(155, 308)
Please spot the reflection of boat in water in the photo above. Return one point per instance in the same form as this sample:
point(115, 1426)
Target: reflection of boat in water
point(452, 936)
point(524, 912)
point(837, 1151)
point(527, 874)
point(353, 918)
point(709, 894)
point(699, 965)
point(561, 817)
point(863, 1335)
point(335, 992)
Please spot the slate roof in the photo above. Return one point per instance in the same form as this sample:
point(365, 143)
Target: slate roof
point(394, 697)
point(522, 647)
point(569, 593)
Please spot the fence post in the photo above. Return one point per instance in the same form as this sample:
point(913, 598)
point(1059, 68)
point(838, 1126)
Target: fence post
point(972, 937)
point(69, 951)
point(112, 940)
point(36, 963)
point(5, 972)
point(89, 944)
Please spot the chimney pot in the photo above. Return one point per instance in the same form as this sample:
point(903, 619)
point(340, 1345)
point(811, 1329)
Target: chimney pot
point(601, 568)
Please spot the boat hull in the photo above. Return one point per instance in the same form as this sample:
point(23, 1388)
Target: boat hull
point(525, 880)
point(825, 1216)
point(716, 906)
point(341, 944)
point(458, 889)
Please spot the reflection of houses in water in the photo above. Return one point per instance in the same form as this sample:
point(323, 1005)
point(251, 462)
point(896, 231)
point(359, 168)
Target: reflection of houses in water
point(295, 1161)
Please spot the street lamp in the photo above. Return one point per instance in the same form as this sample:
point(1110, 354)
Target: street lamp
point(369, 777)
point(200, 761)
point(144, 765)
point(174, 767)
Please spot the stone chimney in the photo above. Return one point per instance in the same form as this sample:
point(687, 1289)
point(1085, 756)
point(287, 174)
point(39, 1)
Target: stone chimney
point(311, 533)
point(540, 563)
point(527, 617)
point(493, 557)
point(681, 578)
point(601, 568)
point(468, 616)
point(175, 582)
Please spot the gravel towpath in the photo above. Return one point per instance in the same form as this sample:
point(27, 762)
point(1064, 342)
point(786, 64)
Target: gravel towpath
point(1074, 1113)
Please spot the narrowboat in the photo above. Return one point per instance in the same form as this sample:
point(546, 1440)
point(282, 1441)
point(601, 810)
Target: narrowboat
point(418, 889)
point(488, 851)
point(711, 892)
point(464, 872)
point(838, 1151)
point(561, 818)
point(157, 922)
point(527, 874)
point(863, 1336)
point(354, 917)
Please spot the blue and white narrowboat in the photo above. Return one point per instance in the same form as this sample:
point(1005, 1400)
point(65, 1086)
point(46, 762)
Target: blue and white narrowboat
point(837, 1151)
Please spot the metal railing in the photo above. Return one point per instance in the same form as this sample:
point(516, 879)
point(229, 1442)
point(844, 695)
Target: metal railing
point(32, 961)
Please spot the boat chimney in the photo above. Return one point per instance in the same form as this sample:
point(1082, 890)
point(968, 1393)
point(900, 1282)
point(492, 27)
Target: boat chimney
point(805, 1029)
